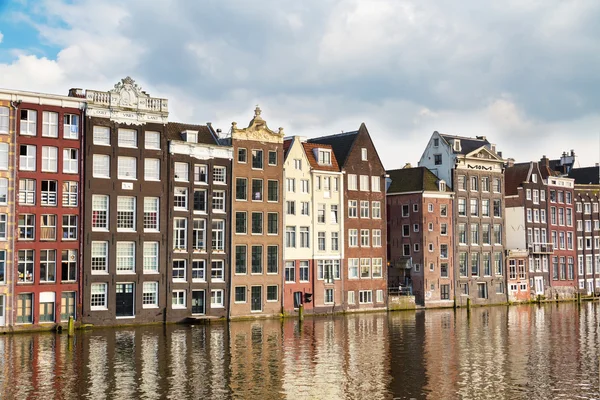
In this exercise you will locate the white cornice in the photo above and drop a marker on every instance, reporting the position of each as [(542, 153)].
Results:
[(200, 151), (42, 99)]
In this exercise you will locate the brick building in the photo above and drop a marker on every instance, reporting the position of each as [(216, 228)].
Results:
[(474, 170), (257, 209), (420, 240), (364, 278)]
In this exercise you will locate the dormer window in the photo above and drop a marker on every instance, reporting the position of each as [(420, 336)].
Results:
[(442, 186), (363, 153), (456, 145), (325, 157), (190, 136)]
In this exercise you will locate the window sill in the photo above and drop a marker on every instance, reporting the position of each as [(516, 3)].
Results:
[(99, 309), (201, 281), (179, 308), (151, 273), (100, 177), (217, 306), (147, 307), (126, 317)]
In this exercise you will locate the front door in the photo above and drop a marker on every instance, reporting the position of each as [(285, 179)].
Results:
[(256, 299), (539, 285), (2, 311), (198, 302), (124, 298)]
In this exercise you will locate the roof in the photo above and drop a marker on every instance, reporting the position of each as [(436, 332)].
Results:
[(585, 176), (205, 136), (514, 176), (467, 144), (412, 180), (341, 144), (308, 149), (287, 143)]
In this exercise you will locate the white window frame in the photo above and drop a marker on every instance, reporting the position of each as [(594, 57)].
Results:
[(49, 159), (152, 169), (101, 135), (70, 161), (150, 295), (151, 257), (152, 140), (96, 207), (101, 166), (71, 126), (127, 168), (126, 212), (29, 124), (99, 296), (127, 138), (125, 260)]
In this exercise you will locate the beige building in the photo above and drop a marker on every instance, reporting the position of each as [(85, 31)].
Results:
[(7, 208)]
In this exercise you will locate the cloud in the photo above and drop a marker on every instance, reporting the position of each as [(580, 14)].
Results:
[(1, 37), (522, 73)]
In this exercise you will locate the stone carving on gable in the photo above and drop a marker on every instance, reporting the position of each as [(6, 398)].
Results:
[(127, 103), (257, 130)]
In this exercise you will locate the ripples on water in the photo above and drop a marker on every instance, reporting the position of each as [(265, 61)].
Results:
[(523, 352)]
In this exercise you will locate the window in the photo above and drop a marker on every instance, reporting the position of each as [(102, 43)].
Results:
[(178, 299), (462, 207), (437, 159), (69, 227), (364, 183), (497, 208), (150, 295), (99, 257), (272, 223), (353, 237), (328, 297), (98, 296), (405, 230), (199, 200), (101, 166), (125, 213), (218, 200), (257, 189), (498, 234), (497, 185), (47, 265), (352, 182), (290, 236), (26, 223), (49, 124), (3, 231), (363, 154), (290, 207), (352, 208), (297, 164), (125, 257), (179, 270), (179, 233), (180, 199), (257, 267), (240, 259), (333, 213), (375, 184), (474, 234), (49, 159), (321, 213), (242, 155), (127, 138), (241, 222), (290, 185), (216, 298), (25, 266), (68, 266), (151, 207), (364, 209), (69, 193), (377, 267), (99, 212), (182, 173), (474, 207), (241, 185), (257, 159), (217, 270), (240, 294), (4, 119), (324, 157), (150, 264), (335, 241), (304, 185), (49, 193), (28, 122), (304, 237), (127, 168), (321, 241), (152, 169), (272, 293), (219, 175), (218, 235), (199, 270), (365, 268), (200, 173), (272, 157), (4, 156), (290, 271), (27, 158), (71, 126), (365, 296), (257, 223)]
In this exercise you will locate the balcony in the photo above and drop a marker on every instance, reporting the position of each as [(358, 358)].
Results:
[(541, 248)]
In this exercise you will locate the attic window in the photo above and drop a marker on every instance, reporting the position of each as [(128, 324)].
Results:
[(456, 145), (534, 178), (436, 142), (363, 153), (442, 186), (190, 136), (324, 157)]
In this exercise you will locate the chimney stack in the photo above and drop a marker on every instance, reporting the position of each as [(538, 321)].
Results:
[(76, 92), (510, 162)]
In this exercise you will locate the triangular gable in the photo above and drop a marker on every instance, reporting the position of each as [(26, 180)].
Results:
[(364, 131), (483, 153)]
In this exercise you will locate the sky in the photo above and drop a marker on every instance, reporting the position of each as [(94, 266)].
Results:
[(523, 73)]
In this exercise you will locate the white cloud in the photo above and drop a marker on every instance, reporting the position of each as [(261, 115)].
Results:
[(1, 37), (524, 73)]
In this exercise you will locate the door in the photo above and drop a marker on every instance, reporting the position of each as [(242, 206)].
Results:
[(256, 299), (198, 302), (539, 285), (124, 300), (2, 312)]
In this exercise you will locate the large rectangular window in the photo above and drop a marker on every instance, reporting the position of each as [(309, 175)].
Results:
[(180, 234), (26, 225), (150, 295), (27, 157), (217, 271), (99, 212), (151, 210), (241, 259), (218, 235), (272, 259), (27, 192), (199, 235), (25, 308), (199, 271), (47, 265), (241, 189), (98, 297), (69, 227), (150, 257), (99, 257), (127, 168), (101, 135), (101, 166), (127, 138), (125, 213), (70, 192), (68, 266), (71, 126), (272, 223), (70, 161), (25, 266), (257, 267), (49, 159), (48, 227), (152, 169), (28, 122), (50, 124), (125, 257)]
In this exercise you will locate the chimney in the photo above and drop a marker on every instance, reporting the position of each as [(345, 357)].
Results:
[(407, 165), (76, 92), (510, 162), (480, 137), (545, 161), (500, 155)]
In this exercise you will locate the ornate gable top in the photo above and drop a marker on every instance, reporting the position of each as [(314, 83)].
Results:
[(126, 102), (257, 130)]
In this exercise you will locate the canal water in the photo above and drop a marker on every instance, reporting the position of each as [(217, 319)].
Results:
[(520, 352)]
